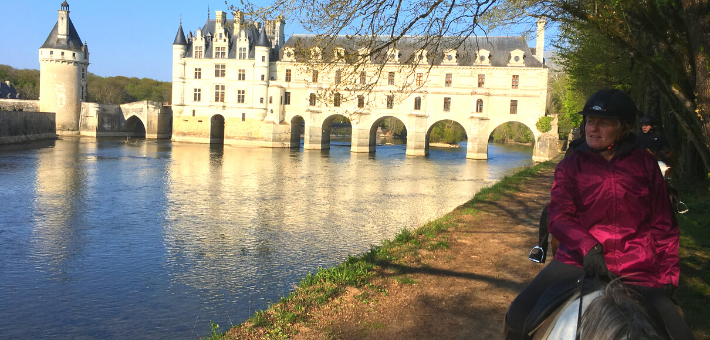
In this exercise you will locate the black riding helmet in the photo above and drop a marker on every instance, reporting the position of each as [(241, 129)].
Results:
[(610, 104)]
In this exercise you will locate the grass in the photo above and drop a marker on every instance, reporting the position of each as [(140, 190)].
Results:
[(693, 293), (316, 289)]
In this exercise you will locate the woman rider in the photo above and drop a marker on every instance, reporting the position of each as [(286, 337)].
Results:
[(610, 211)]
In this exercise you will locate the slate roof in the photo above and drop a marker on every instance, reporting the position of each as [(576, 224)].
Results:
[(500, 48), (180, 37), (263, 40), (7, 91), (72, 41)]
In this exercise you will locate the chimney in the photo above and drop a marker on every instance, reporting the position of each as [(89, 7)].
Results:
[(63, 24), (220, 17), (540, 39)]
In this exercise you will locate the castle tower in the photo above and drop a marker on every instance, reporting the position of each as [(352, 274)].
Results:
[(64, 62), (540, 39), (179, 48), (262, 49)]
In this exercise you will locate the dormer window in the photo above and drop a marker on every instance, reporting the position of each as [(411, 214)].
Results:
[(242, 53), (198, 51), (517, 58), (483, 57), (289, 54), (450, 57), (339, 53), (315, 53), (393, 55), (220, 52), (421, 57)]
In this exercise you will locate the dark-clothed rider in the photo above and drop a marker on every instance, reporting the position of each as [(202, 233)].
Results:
[(610, 211), (653, 140)]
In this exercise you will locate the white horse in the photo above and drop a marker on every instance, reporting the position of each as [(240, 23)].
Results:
[(610, 313)]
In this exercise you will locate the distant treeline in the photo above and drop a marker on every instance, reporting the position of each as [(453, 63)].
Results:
[(104, 90)]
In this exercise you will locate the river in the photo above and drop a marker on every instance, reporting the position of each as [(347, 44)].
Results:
[(146, 239)]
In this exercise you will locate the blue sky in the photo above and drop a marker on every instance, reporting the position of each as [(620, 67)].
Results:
[(126, 38)]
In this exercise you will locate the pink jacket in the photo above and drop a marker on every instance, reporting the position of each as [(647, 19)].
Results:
[(622, 204)]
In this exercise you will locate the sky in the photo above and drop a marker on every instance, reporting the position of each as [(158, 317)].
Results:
[(129, 38)]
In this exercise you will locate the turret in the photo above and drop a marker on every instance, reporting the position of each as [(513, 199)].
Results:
[(179, 49), (64, 62), (262, 49)]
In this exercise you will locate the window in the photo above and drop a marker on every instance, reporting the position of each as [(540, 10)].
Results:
[(390, 101), (263, 58), (240, 96), (390, 78), (420, 79), (242, 74), (220, 52), (312, 99), (479, 105), (516, 79), (447, 104), (242, 53), (244, 116), (363, 77), (193, 113), (447, 82), (314, 77), (219, 93), (287, 98), (198, 73), (513, 107), (261, 100), (271, 99), (62, 54), (220, 70), (360, 101), (288, 75), (481, 80), (336, 100), (198, 51), (337, 76), (83, 73), (51, 53), (197, 95), (262, 77), (418, 103)]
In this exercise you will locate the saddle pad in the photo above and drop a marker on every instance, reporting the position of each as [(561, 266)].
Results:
[(566, 326), (556, 295)]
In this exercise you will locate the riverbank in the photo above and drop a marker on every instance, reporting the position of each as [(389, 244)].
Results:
[(454, 277)]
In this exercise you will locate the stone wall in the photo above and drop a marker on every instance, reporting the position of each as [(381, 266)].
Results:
[(23, 126), (120, 120), (19, 105)]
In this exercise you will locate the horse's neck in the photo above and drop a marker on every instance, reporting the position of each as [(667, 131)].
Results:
[(565, 327)]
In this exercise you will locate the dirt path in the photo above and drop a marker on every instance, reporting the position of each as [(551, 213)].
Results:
[(457, 293)]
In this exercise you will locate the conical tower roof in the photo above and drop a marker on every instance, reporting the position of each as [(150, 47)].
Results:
[(263, 40), (180, 37)]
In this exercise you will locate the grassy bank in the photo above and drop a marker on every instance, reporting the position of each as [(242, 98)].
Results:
[(364, 273)]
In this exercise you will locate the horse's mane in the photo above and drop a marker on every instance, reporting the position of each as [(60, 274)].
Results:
[(617, 315)]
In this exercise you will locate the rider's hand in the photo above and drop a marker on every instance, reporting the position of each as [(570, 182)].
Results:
[(593, 263)]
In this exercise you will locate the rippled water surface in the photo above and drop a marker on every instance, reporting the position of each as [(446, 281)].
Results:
[(148, 239)]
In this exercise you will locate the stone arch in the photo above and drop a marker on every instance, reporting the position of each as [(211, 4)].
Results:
[(298, 127), (431, 126), (217, 129), (134, 127), (498, 124), (375, 125), (326, 128)]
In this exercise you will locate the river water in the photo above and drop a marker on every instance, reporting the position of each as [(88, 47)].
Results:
[(146, 239)]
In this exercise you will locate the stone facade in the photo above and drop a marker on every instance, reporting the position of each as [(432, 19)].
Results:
[(249, 86)]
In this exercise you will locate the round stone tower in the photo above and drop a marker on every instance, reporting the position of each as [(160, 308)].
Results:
[(262, 49), (179, 49), (63, 61)]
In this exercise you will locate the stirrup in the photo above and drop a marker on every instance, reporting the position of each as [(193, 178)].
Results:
[(537, 255), (679, 209)]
